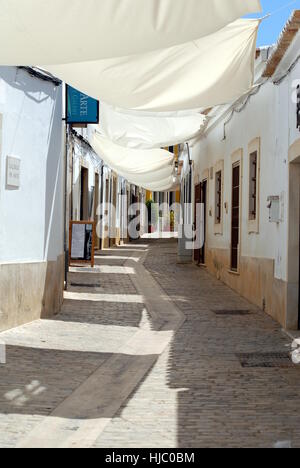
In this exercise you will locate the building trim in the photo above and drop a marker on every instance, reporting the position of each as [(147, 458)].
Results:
[(286, 38)]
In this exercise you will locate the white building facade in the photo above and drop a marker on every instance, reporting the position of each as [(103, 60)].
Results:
[(96, 192), (31, 196), (247, 173)]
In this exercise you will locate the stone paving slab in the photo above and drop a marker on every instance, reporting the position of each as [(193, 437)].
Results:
[(47, 360), (93, 316), (197, 394), (159, 370)]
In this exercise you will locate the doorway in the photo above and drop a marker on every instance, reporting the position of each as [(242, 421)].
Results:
[(299, 282), (291, 319), (113, 198), (197, 202), (204, 202), (201, 198), (96, 208), (235, 217), (84, 195), (134, 199)]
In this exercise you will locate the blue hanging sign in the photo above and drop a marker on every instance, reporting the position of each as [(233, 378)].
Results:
[(80, 108)]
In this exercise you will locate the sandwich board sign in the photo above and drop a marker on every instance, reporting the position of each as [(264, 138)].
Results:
[(82, 243)]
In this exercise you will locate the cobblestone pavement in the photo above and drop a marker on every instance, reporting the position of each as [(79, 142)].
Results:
[(198, 394), (112, 370)]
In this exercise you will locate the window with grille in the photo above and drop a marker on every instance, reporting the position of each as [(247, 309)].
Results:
[(253, 186), (218, 207)]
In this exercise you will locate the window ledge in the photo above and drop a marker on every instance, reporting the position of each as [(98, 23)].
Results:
[(218, 229), (253, 226), (234, 273)]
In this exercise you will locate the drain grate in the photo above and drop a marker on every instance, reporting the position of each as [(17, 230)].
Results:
[(83, 285), (265, 360), (232, 313)]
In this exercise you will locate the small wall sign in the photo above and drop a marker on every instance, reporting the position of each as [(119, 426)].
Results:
[(13, 172)]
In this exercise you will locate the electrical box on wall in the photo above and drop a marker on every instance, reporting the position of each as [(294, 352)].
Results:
[(274, 206)]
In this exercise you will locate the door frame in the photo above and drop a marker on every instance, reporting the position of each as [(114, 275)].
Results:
[(96, 207), (237, 160), (84, 193), (197, 195), (201, 260), (203, 249)]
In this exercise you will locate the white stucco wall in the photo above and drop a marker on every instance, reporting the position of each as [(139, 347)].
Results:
[(31, 227), (84, 157), (271, 116)]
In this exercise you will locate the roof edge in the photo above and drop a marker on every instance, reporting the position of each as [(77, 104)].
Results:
[(286, 38)]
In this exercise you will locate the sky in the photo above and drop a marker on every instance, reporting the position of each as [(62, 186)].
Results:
[(272, 27)]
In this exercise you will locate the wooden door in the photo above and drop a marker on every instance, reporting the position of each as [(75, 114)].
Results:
[(197, 252), (204, 202), (84, 198), (201, 197), (235, 222)]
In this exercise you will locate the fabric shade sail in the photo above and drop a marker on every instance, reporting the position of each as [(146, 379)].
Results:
[(169, 184), (150, 169), (63, 31), (213, 70), (147, 131), (145, 56)]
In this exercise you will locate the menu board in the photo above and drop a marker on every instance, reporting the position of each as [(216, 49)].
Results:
[(82, 242)]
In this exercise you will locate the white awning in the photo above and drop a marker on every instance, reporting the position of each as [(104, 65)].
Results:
[(150, 169), (154, 130), (36, 32), (213, 70), (140, 55)]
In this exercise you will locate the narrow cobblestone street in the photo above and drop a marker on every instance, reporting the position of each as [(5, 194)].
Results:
[(149, 353)]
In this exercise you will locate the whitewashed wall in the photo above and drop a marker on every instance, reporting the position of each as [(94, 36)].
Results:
[(271, 116), (83, 157), (31, 227)]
